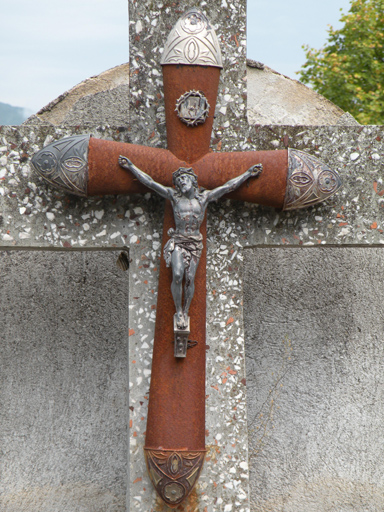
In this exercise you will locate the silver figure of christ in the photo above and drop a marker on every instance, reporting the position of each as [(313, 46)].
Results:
[(183, 250)]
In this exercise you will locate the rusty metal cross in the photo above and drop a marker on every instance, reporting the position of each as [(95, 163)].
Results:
[(175, 434)]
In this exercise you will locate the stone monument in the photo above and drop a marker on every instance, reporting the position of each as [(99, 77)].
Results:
[(174, 448), (281, 474)]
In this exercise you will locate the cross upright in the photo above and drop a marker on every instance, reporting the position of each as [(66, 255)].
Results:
[(191, 62)]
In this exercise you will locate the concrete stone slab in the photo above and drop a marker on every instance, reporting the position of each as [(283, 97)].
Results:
[(315, 382), (63, 381), (277, 99), (101, 99), (34, 214)]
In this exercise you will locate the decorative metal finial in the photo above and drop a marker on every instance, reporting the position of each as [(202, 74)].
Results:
[(64, 164), (192, 41), (309, 181)]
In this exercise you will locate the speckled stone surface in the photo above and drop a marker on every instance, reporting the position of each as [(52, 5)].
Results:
[(34, 215)]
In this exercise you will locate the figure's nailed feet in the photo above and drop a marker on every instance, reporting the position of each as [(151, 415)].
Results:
[(181, 320), (255, 170), (125, 162)]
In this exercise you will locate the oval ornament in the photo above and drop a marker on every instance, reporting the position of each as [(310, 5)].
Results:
[(301, 179), (191, 51), (74, 164), (174, 464)]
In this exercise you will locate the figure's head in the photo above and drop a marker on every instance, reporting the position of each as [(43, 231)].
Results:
[(183, 177)]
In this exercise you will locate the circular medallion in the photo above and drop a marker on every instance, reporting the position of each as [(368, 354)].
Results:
[(194, 22), (47, 162), (192, 108), (327, 181), (174, 492)]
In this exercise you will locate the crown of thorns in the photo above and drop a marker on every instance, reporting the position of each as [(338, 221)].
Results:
[(181, 171)]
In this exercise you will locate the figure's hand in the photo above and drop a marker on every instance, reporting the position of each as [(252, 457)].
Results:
[(125, 162), (255, 170)]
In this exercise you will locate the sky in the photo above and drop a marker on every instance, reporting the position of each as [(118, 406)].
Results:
[(48, 46)]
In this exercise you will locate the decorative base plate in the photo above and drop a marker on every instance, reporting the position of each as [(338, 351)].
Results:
[(181, 338), (174, 473)]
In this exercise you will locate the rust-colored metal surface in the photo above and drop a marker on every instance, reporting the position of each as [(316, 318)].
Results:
[(105, 176), (189, 143), (213, 170), (176, 411), (269, 189)]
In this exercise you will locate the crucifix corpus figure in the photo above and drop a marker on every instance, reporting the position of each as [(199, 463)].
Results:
[(183, 250)]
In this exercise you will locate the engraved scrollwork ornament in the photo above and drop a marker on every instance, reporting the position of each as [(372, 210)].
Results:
[(309, 181), (174, 473), (64, 164), (192, 41)]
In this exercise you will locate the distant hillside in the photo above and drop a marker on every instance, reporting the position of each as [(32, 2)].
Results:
[(13, 115)]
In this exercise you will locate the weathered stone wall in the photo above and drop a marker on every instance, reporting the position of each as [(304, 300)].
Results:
[(272, 99), (101, 99), (277, 99), (314, 329), (63, 381)]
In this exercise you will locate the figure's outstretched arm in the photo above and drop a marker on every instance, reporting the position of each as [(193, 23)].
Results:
[(233, 184), (145, 179)]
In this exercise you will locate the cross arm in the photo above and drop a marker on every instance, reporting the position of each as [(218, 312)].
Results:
[(215, 169), (107, 177), (290, 179), (88, 166)]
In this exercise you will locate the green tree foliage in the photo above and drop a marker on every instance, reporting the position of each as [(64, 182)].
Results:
[(349, 70)]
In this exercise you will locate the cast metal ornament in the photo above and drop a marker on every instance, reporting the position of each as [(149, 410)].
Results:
[(174, 473), (192, 108), (64, 164), (309, 181), (192, 41)]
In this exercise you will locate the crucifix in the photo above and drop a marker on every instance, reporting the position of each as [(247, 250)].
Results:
[(285, 179)]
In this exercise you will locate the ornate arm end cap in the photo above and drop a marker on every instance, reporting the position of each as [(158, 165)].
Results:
[(192, 41), (309, 181), (64, 164)]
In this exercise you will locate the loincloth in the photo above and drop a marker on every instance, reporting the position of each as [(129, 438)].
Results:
[(191, 246)]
